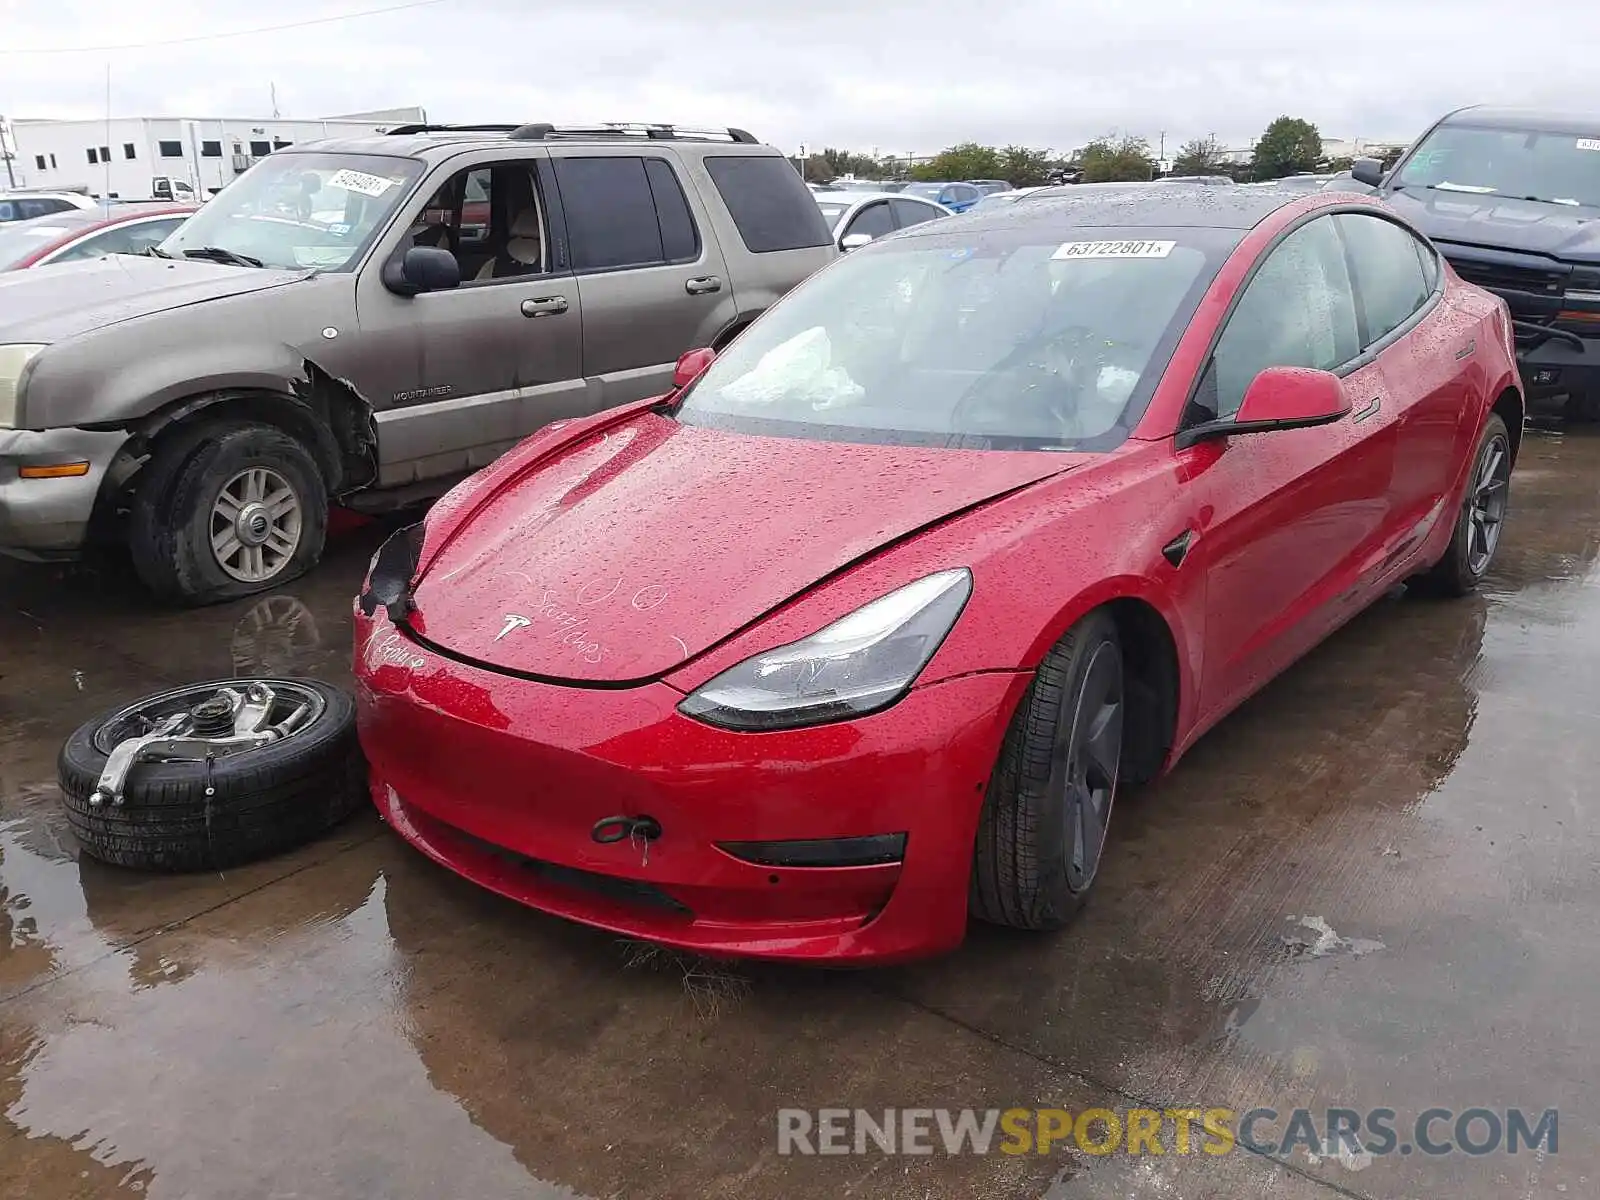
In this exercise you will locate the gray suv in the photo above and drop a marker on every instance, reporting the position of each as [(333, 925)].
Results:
[(365, 322)]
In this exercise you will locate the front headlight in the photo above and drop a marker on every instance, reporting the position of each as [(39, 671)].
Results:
[(13, 361), (860, 664)]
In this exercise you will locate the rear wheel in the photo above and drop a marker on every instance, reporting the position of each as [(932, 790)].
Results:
[(1049, 801), (1480, 519), (226, 512)]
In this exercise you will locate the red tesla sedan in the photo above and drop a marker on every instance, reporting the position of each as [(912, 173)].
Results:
[(88, 233), (859, 630)]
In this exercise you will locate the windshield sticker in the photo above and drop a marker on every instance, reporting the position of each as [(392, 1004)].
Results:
[(360, 182), (1114, 250), (1589, 143)]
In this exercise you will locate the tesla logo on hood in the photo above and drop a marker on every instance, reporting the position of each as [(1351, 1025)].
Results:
[(513, 622)]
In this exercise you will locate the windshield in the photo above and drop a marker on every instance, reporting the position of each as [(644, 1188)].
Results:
[(301, 210), (1560, 168), (998, 340), (832, 212), (23, 239)]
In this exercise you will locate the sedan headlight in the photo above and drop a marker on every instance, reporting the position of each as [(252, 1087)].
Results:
[(860, 664), (13, 361)]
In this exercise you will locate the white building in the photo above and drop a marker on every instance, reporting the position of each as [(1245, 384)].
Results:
[(122, 158)]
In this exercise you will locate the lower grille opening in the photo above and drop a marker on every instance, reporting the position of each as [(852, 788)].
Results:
[(610, 887), (878, 850)]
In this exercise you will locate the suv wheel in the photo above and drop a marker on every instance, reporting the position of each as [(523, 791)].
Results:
[(227, 512)]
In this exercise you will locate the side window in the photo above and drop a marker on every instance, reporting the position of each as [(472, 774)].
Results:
[(908, 212), (680, 240), (1429, 258), (133, 238), (1298, 311), (769, 203), (491, 218), (611, 213), (1389, 282), (873, 220), (41, 208)]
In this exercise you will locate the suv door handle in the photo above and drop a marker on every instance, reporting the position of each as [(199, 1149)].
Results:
[(544, 306), (703, 286)]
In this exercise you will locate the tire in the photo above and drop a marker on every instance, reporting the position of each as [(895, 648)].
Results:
[(1464, 564), (264, 802), (1023, 867), (176, 506)]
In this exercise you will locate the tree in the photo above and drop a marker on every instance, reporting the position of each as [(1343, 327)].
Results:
[(1289, 145), (847, 162), (1339, 164), (965, 161), (1203, 156), (1022, 167), (1116, 157)]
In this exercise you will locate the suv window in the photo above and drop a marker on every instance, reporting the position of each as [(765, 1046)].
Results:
[(680, 240), (491, 219), (41, 208), (611, 213), (1389, 282), (1298, 311), (770, 204)]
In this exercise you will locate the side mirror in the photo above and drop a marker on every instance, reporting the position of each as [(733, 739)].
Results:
[(422, 269), (854, 241), (1368, 171), (1279, 398), (691, 365)]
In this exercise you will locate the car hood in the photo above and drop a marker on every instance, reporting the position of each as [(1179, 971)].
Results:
[(636, 549), (1503, 223), (57, 302)]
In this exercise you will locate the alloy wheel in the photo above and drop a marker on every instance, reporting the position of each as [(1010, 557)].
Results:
[(256, 524), (1486, 504), (1087, 755)]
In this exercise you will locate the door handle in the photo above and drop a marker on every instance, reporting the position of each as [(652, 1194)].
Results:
[(1371, 409), (703, 286), (544, 306)]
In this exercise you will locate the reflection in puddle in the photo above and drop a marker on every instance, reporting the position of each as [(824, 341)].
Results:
[(277, 635), (273, 1064)]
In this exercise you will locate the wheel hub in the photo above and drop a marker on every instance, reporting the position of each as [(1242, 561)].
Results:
[(253, 524), (256, 525)]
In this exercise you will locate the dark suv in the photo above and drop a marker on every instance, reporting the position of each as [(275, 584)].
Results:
[(1512, 198), (367, 321)]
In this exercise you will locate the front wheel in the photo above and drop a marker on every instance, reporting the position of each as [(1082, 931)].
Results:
[(1049, 801), (227, 511), (1480, 519)]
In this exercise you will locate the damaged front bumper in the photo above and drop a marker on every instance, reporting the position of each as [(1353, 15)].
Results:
[(49, 483)]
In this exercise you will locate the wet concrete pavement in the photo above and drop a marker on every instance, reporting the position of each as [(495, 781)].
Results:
[(1376, 885)]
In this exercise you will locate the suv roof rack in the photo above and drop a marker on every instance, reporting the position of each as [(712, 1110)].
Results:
[(401, 130), (544, 132)]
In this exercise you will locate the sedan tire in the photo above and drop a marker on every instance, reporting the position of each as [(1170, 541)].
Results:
[(1479, 520), (199, 816), (1044, 818)]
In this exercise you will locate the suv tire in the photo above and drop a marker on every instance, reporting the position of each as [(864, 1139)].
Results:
[(224, 511)]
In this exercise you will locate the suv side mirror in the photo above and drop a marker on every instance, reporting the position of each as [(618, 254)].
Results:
[(1368, 171), (1279, 398), (691, 365), (854, 241), (422, 269)]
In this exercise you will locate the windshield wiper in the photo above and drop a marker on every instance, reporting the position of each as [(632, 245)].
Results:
[(156, 252), (218, 255)]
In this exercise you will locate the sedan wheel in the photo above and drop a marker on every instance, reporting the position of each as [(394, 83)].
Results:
[(1043, 826), (1480, 520)]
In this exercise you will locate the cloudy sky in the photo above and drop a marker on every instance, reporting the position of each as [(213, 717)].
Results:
[(895, 75)]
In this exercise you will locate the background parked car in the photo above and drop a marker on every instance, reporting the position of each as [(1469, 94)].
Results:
[(88, 233), (24, 206), (957, 197), (990, 186), (996, 200), (260, 397), (857, 218)]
